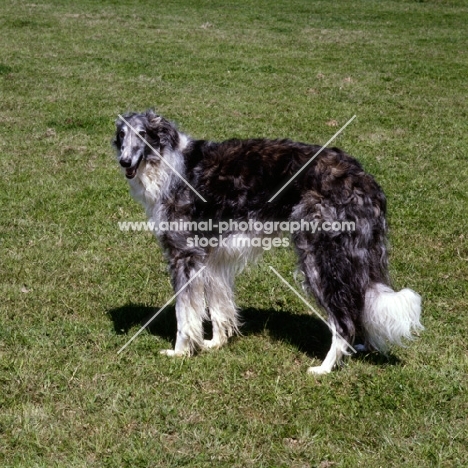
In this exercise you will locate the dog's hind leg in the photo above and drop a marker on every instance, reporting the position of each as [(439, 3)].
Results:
[(335, 281), (338, 349)]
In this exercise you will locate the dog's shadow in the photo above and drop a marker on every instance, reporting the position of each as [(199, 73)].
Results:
[(305, 332)]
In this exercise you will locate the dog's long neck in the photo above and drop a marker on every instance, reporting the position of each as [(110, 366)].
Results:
[(154, 178)]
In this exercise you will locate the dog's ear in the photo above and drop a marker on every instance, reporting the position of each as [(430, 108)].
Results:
[(153, 118), (153, 122), (161, 130)]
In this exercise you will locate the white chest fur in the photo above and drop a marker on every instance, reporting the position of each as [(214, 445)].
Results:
[(152, 179), (147, 185)]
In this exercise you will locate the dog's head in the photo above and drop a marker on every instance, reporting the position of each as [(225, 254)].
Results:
[(142, 138)]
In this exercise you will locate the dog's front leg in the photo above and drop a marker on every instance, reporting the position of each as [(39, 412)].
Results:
[(190, 313), (189, 328)]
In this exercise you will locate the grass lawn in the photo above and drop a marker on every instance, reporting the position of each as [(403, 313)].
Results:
[(74, 288)]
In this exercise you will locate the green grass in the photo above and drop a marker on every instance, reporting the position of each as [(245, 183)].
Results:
[(74, 288)]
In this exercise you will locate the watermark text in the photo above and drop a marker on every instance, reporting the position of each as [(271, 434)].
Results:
[(234, 226)]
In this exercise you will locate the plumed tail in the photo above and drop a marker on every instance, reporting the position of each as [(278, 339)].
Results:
[(390, 317)]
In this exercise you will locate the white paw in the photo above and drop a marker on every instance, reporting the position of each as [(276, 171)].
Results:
[(172, 353), (318, 370), (360, 348), (212, 344)]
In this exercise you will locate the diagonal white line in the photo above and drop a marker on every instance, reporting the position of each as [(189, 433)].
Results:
[(309, 306), (312, 158), (160, 310), (162, 159)]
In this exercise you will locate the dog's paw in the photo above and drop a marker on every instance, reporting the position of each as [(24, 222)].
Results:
[(318, 370), (360, 348), (172, 353), (212, 344)]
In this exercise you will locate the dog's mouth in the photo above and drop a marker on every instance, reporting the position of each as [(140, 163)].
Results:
[(130, 172)]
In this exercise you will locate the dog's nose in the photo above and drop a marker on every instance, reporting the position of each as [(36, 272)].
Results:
[(125, 162)]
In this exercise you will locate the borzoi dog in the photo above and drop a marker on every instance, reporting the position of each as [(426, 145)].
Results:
[(179, 179)]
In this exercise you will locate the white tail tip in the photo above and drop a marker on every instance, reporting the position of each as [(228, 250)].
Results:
[(390, 317)]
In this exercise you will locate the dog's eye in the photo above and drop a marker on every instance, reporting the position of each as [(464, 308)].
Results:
[(142, 133), (121, 134)]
